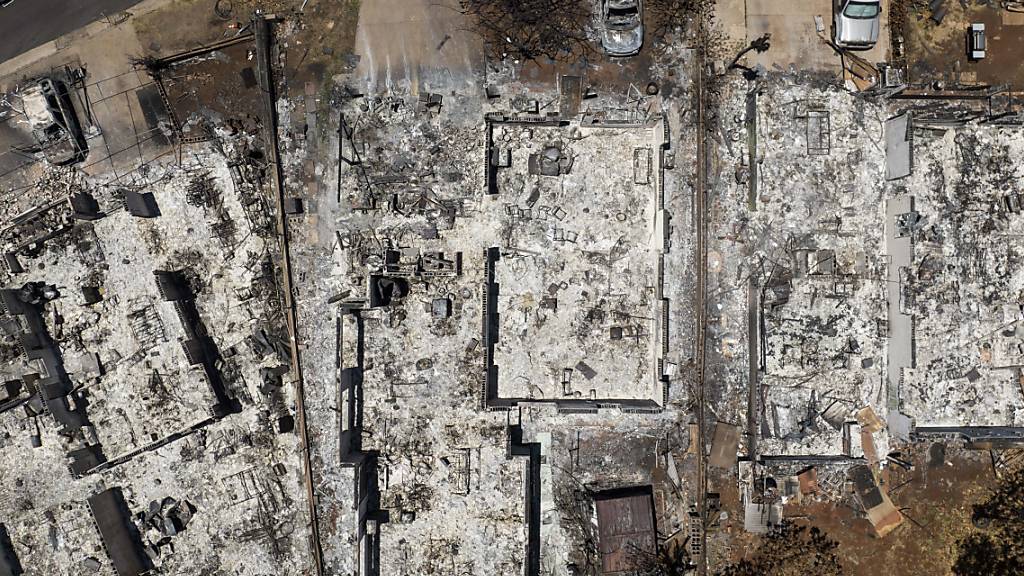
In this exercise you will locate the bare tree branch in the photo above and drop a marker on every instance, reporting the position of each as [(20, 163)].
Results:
[(532, 29)]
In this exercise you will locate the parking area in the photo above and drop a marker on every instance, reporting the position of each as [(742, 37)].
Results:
[(795, 40), (127, 111)]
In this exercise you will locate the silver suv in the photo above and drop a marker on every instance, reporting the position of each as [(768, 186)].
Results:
[(856, 23)]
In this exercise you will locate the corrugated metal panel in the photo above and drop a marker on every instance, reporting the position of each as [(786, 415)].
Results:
[(626, 530)]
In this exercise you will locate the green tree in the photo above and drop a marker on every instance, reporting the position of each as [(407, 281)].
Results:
[(996, 547), (790, 550)]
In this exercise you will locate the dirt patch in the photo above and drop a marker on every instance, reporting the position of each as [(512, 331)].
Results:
[(726, 535), (656, 62), (319, 46), (183, 25), (322, 45), (598, 70), (938, 52), (936, 499), (216, 88)]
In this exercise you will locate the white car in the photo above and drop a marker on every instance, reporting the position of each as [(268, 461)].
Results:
[(856, 23), (623, 28)]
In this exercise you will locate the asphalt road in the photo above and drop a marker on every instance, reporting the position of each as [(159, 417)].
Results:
[(26, 24)]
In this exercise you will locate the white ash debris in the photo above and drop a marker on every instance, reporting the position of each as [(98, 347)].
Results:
[(965, 286), (146, 402), (804, 253)]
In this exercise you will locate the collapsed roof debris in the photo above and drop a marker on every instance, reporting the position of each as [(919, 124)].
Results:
[(864, 288), (142, 315), (625, 523), (291, 295)]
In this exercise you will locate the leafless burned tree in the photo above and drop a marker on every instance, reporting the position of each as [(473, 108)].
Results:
[(670, 559), (151, 64), (667, 16), (996, 547), (532, 29), (575, 503)]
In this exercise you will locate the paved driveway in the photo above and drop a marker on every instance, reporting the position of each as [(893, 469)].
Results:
[(795, 40), (418, 44)]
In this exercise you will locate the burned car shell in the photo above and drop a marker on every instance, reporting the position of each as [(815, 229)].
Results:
[(54, 123), (622, 33)]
